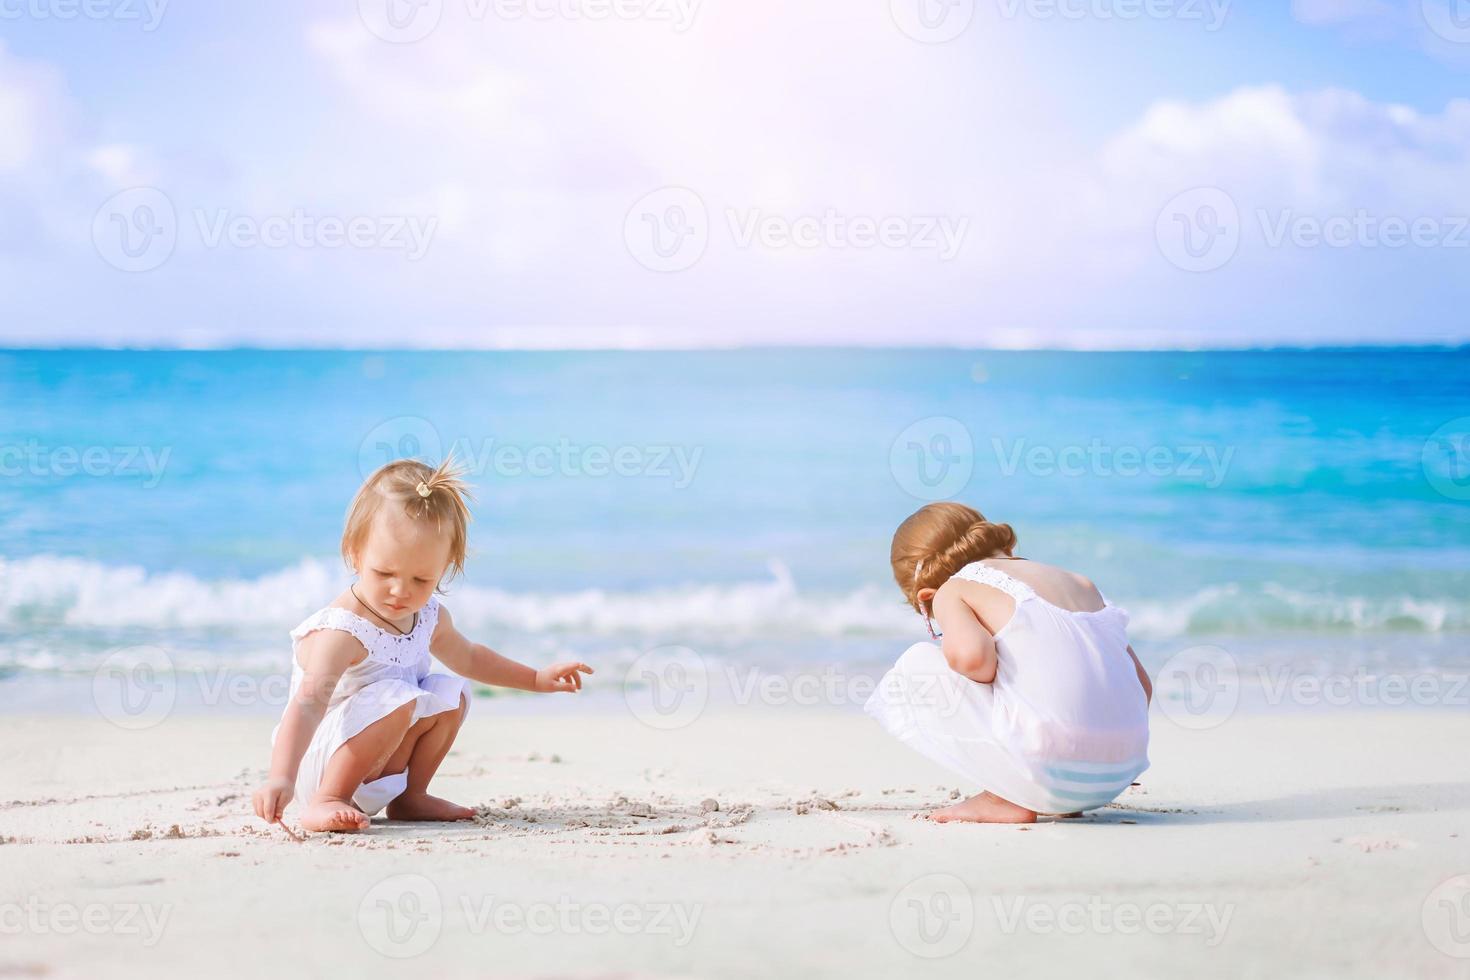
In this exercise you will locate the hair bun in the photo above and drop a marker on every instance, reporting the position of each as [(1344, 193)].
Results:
[(938, 540), (991, 539)]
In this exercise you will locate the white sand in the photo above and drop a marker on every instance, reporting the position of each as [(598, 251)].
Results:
[(1270, 846)]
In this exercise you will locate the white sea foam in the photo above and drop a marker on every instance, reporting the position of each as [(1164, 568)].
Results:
[(48, 593), (53, 591)]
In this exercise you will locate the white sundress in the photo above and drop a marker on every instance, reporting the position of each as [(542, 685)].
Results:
[(395, 672), (1064, 726)]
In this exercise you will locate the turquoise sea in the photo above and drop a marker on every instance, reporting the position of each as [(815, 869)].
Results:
[(1308, 508)]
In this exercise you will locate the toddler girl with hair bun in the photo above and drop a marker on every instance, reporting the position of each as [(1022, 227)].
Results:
[(1032, 691), (367, 724)]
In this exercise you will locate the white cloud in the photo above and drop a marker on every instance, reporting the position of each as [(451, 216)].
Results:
[(1280, 156), (1328, 149), (528, 142)]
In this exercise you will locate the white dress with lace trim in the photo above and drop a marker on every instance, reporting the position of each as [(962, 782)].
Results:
[(1064, 726), (395, 671)]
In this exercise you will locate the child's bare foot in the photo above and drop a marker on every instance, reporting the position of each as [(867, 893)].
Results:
[(422, 806), (985, 808), (337, 816)]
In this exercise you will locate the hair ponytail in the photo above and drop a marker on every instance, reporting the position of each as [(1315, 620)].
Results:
[(439, 494)]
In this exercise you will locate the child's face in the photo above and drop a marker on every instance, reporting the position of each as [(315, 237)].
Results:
[(401, 562)]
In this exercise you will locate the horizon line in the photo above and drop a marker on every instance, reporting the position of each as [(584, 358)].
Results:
[(733, 348)]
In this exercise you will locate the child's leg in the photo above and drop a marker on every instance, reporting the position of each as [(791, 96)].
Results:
[(421, 752), (985, 808), (355, 762)]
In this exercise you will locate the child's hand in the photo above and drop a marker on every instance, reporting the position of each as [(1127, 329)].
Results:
[(561, 677), (271, 799)]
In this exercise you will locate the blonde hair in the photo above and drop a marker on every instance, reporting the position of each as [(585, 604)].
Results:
[(938, 540), (440, 494)]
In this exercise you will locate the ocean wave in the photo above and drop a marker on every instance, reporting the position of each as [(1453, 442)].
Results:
[(1269, 607), (46, 593)]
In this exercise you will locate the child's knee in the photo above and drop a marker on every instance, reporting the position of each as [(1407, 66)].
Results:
[(456, 716), (400, 717), (453, 716)]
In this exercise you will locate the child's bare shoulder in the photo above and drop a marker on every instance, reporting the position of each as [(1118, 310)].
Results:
[(329, 649)]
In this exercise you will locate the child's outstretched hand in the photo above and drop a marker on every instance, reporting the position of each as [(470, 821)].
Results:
[(561, 677), (271, 798)]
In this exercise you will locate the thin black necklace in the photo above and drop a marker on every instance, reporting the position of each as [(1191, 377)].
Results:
[(353, 589)]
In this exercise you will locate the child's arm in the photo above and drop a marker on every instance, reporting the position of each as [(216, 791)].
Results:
[(967, 645), (480, 663), (1148, 688), (325, 654)]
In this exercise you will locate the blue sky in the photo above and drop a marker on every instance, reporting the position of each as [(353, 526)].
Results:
[(1081, 173)]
